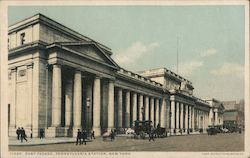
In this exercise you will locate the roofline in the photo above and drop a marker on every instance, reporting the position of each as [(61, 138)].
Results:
[(173, 74), (40, 18)]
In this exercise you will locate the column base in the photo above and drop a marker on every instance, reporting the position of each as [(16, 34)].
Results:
[(97, 131), (172, 132), (52, 132), (12, 131)]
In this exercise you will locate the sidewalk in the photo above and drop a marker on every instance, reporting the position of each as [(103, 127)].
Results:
[(36, 141)]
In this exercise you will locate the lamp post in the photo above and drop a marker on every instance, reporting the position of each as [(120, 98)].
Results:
[(142, 112), (188, 123), (88, 109), (170, 116)]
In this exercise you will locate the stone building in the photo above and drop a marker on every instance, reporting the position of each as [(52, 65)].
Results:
[(61, 81), (234, 114)]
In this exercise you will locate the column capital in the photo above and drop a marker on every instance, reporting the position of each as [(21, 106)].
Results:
[(56, 65), (30, 65)]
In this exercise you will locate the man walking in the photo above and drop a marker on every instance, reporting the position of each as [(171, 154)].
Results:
[(23, 135), (18, 133), (84, 136), (78, 137), (92, 134)]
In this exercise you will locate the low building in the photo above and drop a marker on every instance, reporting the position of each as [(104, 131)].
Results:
[(61, 81)]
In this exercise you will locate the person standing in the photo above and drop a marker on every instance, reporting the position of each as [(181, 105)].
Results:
[(41, 132), (18, 133), (84, 137), (151, 135), (112, 135), (78, 137), (31, 134)]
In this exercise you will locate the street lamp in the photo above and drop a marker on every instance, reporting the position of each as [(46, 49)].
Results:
[(142, 112), (170, 116), (88, 109), (188, 123)]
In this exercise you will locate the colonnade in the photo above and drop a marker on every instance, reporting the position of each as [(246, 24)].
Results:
[(138, 106), (182, 117), (185, 118)]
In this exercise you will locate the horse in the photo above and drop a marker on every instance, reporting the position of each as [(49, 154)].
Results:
[(110, 135)]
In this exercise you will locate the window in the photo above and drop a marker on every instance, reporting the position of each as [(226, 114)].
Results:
[(22, 38)]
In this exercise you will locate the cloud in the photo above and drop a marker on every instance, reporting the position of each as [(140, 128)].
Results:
[(229, 69), (134, 52), (187, 68), (209, 52)]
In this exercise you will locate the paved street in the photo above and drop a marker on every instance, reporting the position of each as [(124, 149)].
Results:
[(220, 142)]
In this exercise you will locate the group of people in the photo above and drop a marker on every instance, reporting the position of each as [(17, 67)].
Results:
[(82, 136), (21, 134)]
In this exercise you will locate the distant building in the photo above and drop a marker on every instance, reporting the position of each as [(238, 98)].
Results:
[(234, 114)]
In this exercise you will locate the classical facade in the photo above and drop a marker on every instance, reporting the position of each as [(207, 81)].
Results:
[(60, 81)]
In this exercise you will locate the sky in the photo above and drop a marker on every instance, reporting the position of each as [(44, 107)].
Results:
[(209, 40)]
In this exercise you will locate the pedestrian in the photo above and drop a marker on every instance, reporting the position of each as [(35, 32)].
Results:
[(93, 135), (18, 133), (31, 135), (78, 137), (41, 132), (84, 136), (112, 135), (23, 135), (151, 135)]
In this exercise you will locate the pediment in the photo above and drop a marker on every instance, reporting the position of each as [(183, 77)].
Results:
[(93, 52)]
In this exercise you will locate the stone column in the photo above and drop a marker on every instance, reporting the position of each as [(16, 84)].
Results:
[(77, 106), (163, 113), (97, 105), (177, 117), (172, 116), (192, 118), (216, 117), (210, 117), (186, 118), (111, 115), (119, 108), (181, 116), (13, 101), (140, 107), (152, 110), (127, 116), (56, 96), (134, 107), (146, 108), (198, 118), (157, 111), (68, 103), (30, 91)]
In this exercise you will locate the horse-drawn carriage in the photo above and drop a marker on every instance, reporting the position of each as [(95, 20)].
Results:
[(142, 128)]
